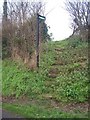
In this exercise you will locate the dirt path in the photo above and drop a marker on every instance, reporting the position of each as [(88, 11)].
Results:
[(7, 114), (50, 103)]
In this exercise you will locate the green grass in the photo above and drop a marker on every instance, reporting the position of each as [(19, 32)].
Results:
[(33, 111), (70, 85), (18, 81)]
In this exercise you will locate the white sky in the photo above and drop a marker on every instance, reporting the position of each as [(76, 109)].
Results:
[(58, 19)]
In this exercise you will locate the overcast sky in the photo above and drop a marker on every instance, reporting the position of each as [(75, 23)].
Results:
[(58, 19)]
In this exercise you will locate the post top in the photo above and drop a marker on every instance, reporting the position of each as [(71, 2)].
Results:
[(41, 17)]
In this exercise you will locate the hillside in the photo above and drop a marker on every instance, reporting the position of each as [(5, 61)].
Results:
[(61, 84)]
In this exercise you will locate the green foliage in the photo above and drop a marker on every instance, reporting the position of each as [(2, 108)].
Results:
[(35, 111), (76, 42), (72, 87), (71, 84), (45, 34), (5, 48), (18, 81)]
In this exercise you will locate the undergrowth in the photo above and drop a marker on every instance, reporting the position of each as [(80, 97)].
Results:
[(71, 84)]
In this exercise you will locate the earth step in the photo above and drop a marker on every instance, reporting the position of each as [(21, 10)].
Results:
[(52, 75), (58, 63), (81, 59), (48, 96), (59, 49), (58, 53), (53, 72), (57, 58)]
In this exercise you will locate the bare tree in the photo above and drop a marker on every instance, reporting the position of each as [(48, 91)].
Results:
[(21, 29), (79, 11)]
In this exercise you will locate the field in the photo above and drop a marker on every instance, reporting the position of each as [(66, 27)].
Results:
[(57, 89)]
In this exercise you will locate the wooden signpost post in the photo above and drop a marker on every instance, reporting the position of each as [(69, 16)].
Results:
[(42, 18)]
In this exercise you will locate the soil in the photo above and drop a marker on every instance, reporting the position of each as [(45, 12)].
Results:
[(49, 102)]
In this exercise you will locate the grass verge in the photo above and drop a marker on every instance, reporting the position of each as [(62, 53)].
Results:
[(33, 111)]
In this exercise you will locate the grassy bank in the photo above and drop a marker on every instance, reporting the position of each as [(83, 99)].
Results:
[(62, 77)]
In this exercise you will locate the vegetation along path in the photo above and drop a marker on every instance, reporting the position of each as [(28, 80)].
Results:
[(58, 89)]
